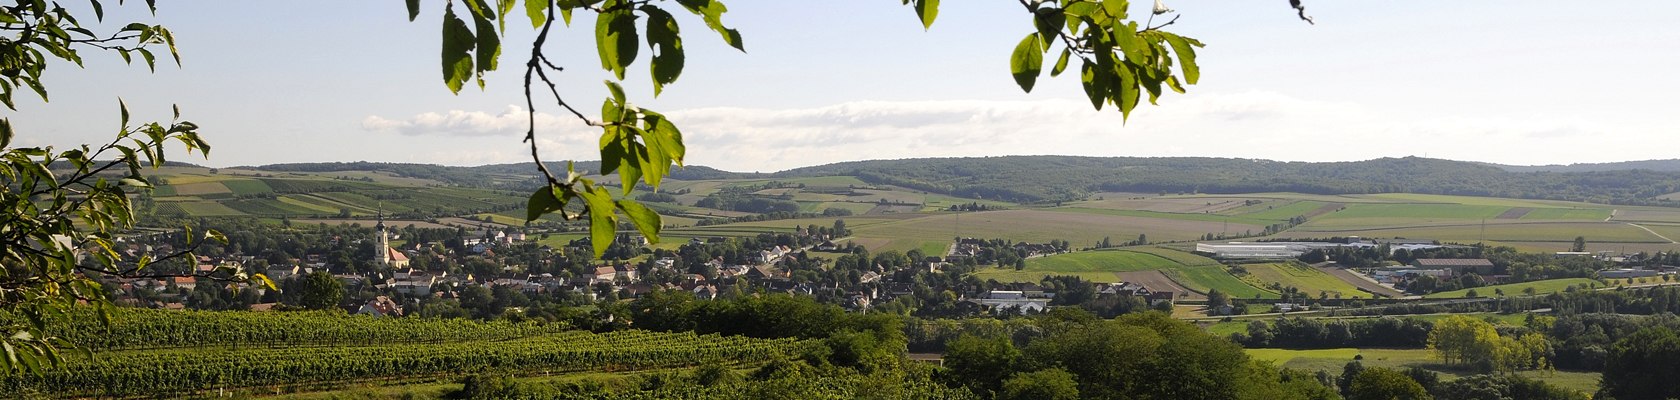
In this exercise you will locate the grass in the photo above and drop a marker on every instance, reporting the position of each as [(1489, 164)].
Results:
[(1332, 361), (246, 186), (1180, 257), (1205, 278), (1474, 231), (1101, 261), (1307, 279), (1431, 211), (1596, 214), (1036, 226), (1281, 213), (1516, 289), (1193, 272), (1168, 215)]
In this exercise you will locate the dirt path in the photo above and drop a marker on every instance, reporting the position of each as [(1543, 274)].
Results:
[(1653, 233), (1361, 282), (1156, 281)]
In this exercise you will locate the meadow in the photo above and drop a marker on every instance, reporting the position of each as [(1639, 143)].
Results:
[(1185, 271)]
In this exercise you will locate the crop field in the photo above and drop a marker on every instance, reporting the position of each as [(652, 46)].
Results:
[(1501, 231), (1240, 222), (1119, 201), (1279, 213), (1472, 200), (206, 209), (199, 188), (1181, 257), (1209, 277), (1305, 278), (1596, 214), (1037, 226), (1516, 289), (1199, 276), (246, 186), (1421, 211), (1647, 214)]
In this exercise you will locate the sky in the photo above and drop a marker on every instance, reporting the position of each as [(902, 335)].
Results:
[(1522, 82)]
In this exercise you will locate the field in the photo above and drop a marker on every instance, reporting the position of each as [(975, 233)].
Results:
[(1309, 280), (1516, 289), (266, 352), (1332, 360), (1154, 267)]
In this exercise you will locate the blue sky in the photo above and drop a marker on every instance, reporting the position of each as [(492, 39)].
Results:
[(1517, 82)]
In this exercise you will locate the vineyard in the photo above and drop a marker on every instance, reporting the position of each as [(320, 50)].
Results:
[(151, 352), (132, 329)]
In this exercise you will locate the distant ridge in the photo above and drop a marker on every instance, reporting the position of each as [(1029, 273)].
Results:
[(1670, 165), (1037, 179)]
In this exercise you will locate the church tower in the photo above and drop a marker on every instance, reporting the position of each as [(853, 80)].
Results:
[(384, 248)]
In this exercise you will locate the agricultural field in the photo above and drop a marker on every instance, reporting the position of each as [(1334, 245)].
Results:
[(1096, 266), (1037, 226), (1516, 289), (1172, 271), (1300, 276)]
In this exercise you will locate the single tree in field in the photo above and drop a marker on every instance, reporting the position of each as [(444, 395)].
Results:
[(1580, 244)]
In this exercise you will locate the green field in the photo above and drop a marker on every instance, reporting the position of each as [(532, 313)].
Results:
[(1596, 214), (1284, 212), (1308, 280), (1242, 220), (1096, 266), (1332, 361), (1191, 271), (1209, 277), (1432, 211), (1516, 289), (1101, 261)]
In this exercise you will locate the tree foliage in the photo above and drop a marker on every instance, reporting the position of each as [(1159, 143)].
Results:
[(64, 209), (1120, 60), (1645, 365)]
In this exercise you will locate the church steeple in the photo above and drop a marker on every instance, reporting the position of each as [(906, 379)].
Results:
[(383, 250)]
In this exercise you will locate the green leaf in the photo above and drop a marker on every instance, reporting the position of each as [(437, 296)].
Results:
[(537, 10), (5, 132), (413, 9), (545, 200), (1115, 8), (1026, 62), (1049, 22), (1096, 84), (488, 48), (646, 220), (1186, 50), (927, 10), (612, 153), (665, 40), (1061, 63), (457, 42), (615, 39), (712, 12), (617, 96), (603, 224)]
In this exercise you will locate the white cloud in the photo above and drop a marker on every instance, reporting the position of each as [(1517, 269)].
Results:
[(1247, 125)]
